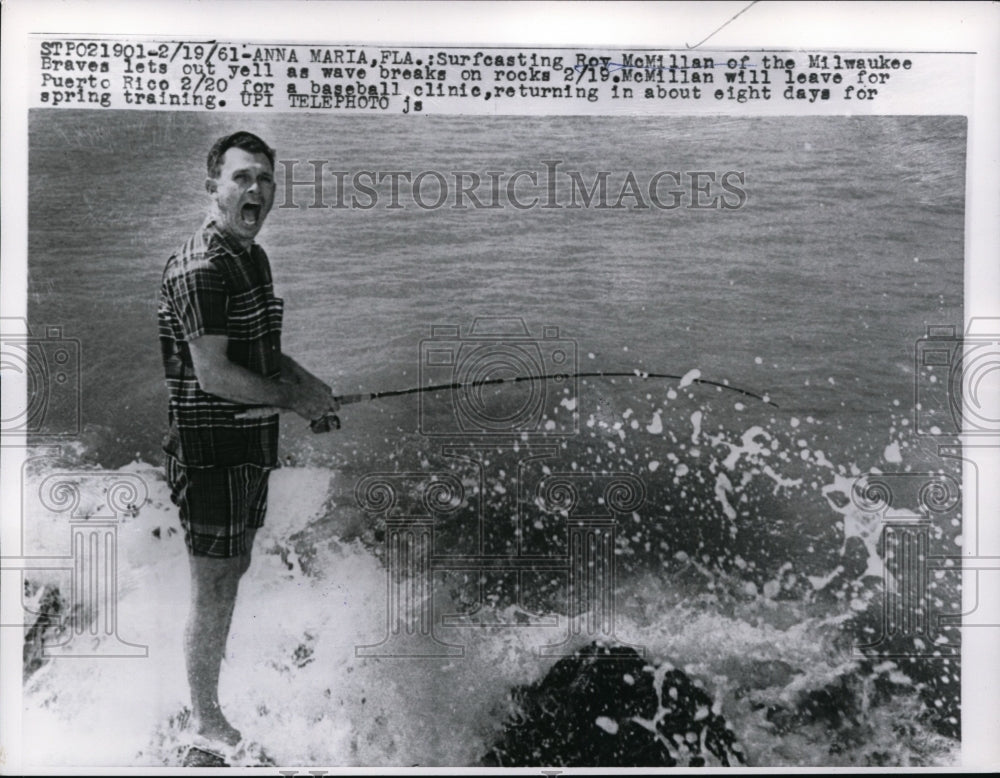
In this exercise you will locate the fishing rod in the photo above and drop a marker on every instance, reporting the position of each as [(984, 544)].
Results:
[(330, 421)]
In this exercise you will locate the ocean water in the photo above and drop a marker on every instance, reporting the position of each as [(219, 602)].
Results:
[(747, 547)]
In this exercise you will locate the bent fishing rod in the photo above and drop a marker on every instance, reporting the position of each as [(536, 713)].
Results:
[(330, 421)]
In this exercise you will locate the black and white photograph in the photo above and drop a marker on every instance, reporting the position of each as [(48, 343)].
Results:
[(501, 405)]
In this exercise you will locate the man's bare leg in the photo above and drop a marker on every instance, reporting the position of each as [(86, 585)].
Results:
[(214, 584)]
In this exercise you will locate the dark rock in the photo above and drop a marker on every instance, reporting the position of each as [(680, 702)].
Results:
[(47, 629), (835, 705), (583, 713), (841, 706), (198, 757)]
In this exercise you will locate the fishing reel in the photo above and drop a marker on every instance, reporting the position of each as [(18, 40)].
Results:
[(325, 423)]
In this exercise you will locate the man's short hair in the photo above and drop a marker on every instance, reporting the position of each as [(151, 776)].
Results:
[(238, 140)]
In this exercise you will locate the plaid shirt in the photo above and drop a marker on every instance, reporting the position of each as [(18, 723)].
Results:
[(213, 286)]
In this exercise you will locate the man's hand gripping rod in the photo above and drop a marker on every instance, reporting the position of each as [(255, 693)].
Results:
[(325, 423)]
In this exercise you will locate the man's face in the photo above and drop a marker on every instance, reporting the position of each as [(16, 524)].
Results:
[(243, 193)]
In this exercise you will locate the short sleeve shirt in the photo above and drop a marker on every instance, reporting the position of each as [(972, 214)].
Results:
[(215, 286)]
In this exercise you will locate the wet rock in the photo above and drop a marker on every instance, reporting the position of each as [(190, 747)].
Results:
[(198, 757), (844, 702), (605, 706), (47, 629)]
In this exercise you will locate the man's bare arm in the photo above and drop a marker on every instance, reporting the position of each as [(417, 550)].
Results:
[(293, 372), (219, 376)]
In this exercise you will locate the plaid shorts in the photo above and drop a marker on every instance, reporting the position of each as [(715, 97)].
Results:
[(218, 505)]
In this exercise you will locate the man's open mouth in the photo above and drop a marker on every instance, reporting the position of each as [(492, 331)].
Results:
[(250, 213)]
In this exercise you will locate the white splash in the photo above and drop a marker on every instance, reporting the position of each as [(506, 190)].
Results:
[(867, 527), (696, 424), (608, 725), (690, 377), (724, 486), (750, 446)]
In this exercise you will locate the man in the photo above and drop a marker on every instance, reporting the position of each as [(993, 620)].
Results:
[(220, 334)]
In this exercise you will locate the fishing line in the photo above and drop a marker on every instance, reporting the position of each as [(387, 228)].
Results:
[(330, 421)]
